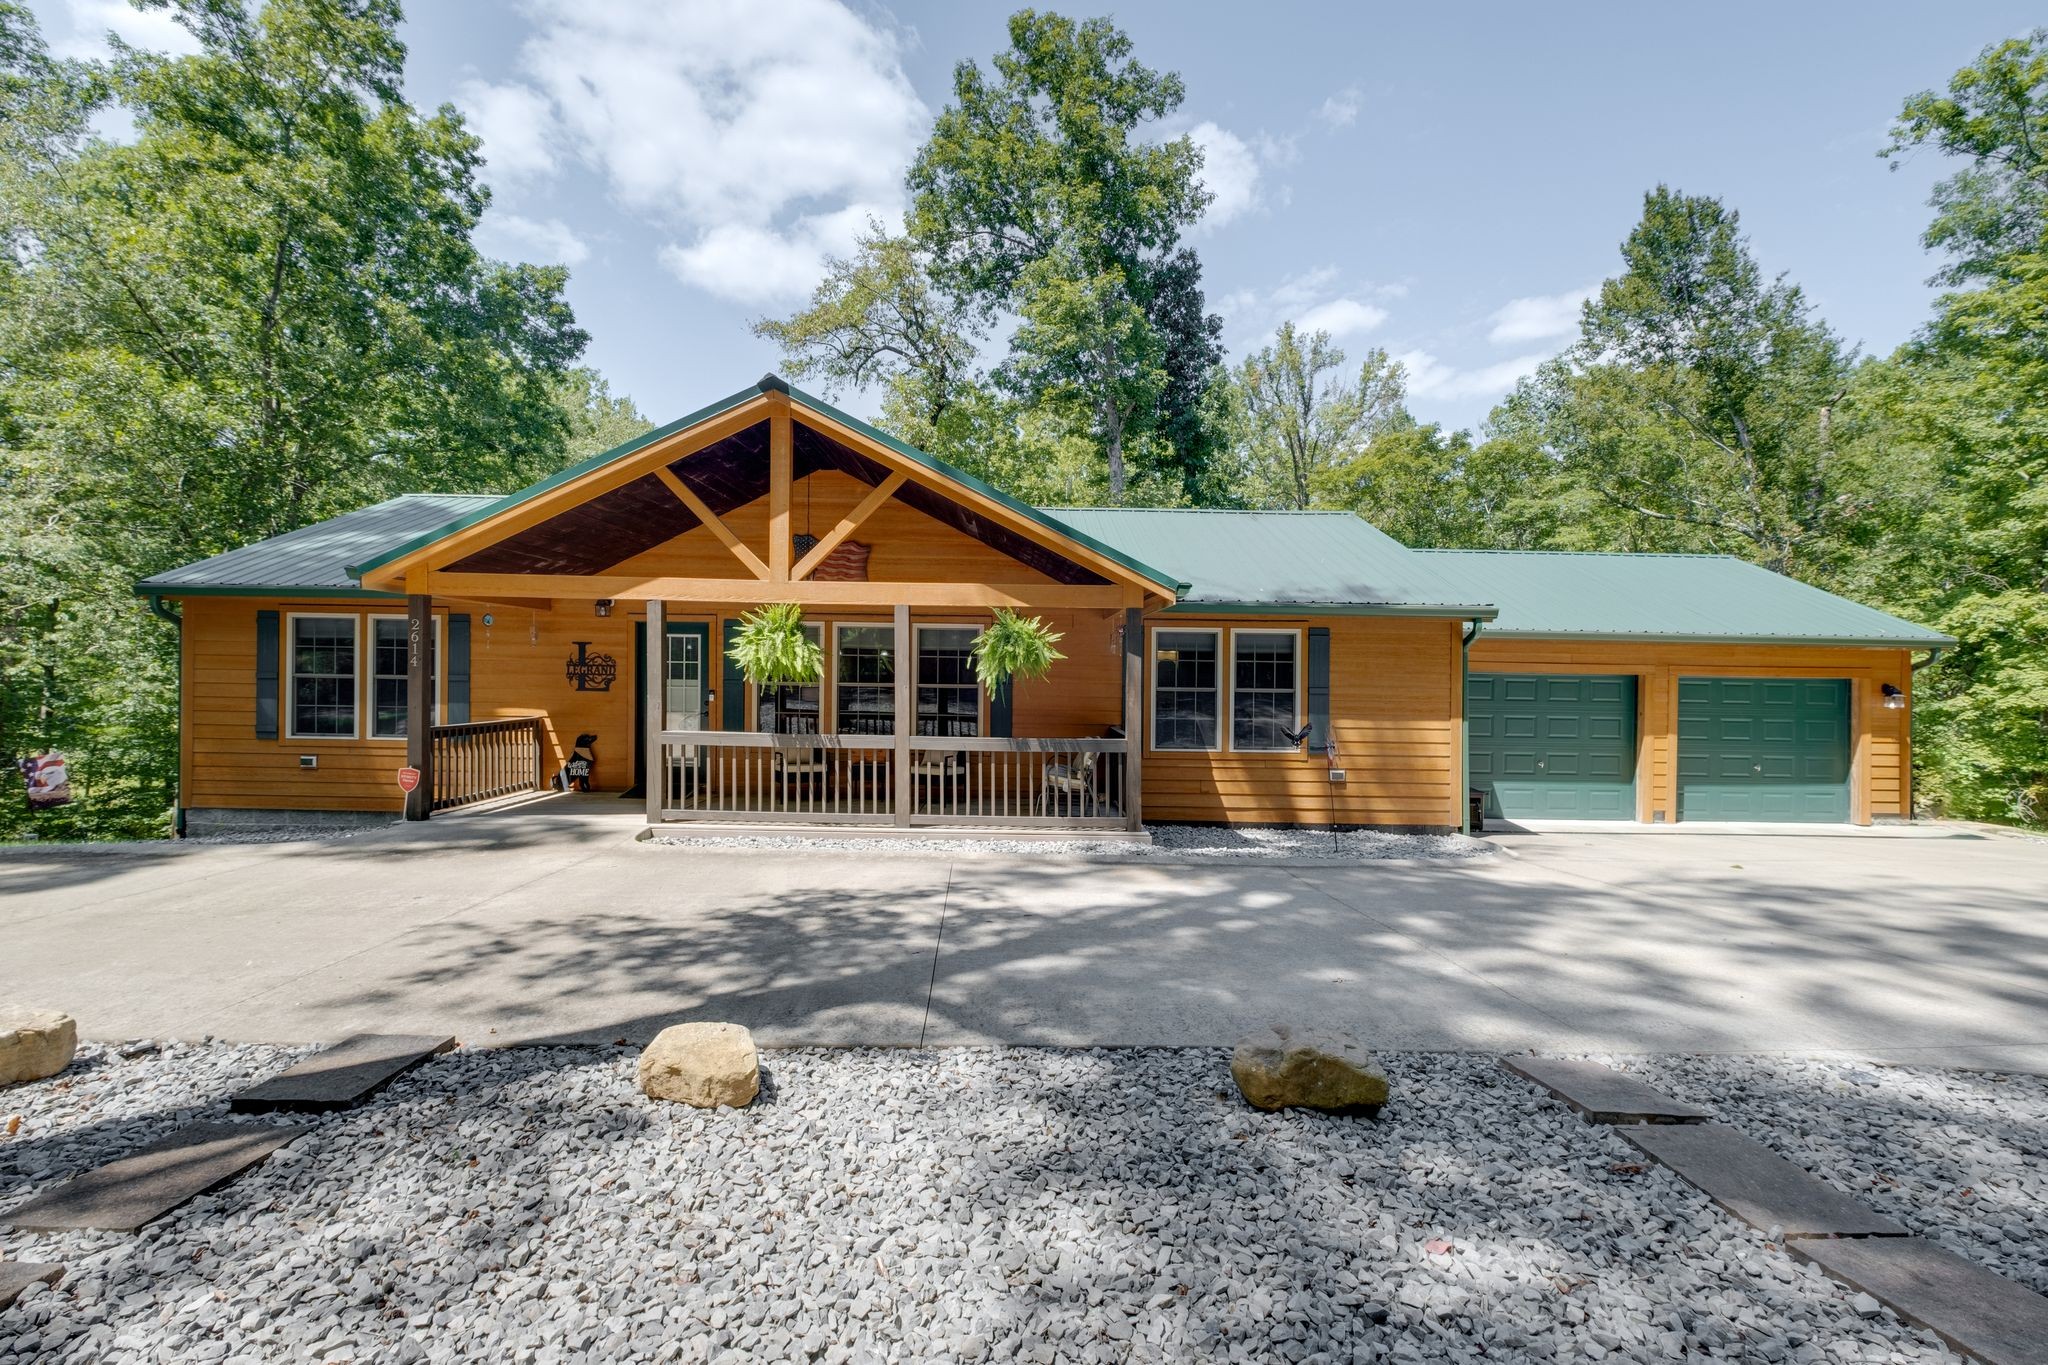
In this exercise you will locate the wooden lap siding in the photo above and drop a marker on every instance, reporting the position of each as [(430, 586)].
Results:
[(511, 674), (1880, 753), (1394, 708)]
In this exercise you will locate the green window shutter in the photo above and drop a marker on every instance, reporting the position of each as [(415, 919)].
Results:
[(999, 707), (1319, 686), (734, 684), (457, 686), (266, 674)]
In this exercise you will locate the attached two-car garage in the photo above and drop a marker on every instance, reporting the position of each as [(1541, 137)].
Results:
[(1564, 747)]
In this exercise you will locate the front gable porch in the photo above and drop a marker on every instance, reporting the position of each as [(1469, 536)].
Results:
[(772, 497)]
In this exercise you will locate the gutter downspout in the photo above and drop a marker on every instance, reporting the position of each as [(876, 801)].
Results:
[(164, 613), (1933, 653), (1465, 729)]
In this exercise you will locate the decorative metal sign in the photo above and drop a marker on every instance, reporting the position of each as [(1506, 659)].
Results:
[(591, 672)]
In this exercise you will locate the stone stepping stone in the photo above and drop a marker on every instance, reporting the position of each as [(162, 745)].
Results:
[(1979, 1313), (1601, 1093), (1756, 1184), (16, 1276), (348, 1073), (124, 1195)]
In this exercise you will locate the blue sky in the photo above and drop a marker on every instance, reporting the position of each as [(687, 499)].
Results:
[(1445, 182)]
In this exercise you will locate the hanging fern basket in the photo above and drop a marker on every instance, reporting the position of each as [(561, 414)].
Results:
[(771, 648), (1013, 646)]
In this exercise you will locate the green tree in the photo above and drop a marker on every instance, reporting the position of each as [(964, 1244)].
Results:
[(1968, 399), (878, 320), (1699, 404), (264, 310), (1040, 193), (1302, 417), (594, 418)]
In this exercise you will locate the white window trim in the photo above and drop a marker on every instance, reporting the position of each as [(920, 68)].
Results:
[(1152, 691), (1300, 685), (917, 631), (366, 671), (832, 665), (827, 638), (290, 673)]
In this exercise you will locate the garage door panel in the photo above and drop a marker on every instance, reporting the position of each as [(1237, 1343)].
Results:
[(1764, 749), (1553, 746)]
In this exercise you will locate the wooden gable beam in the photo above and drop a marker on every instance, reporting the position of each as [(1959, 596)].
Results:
[(742, 592), (848, 524), (602, 479), (781, 466), (712, 521), (1003, 516)]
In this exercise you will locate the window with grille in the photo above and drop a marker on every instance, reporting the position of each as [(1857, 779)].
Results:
[(323, 682), (1264, 696), (864, 670), (388, 676), (1186, 688), (948, 693)]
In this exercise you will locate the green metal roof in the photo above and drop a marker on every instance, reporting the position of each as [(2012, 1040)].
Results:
[(1700, 598), (312, 561), (1269, 561), (768, 384)]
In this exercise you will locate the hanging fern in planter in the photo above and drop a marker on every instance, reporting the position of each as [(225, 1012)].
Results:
[(1014, 647), (771, 648)]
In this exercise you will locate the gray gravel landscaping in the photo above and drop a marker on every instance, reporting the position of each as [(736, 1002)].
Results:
[(1957, 1156), (879, 1205), (1170, 843)]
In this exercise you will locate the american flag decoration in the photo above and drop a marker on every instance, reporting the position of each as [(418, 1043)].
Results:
[(846, 564)]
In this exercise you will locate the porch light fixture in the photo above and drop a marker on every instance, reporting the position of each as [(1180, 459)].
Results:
[(1894, 699), (604, 606)]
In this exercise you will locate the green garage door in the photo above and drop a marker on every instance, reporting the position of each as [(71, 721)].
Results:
[(1553, 746), (1763, 749)]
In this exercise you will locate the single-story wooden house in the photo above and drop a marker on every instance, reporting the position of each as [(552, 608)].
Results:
[(1644, 688)]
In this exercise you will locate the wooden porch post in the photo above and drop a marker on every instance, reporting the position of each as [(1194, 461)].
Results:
[(1134, 717), (419, 703), (906, 710), (656, 687)]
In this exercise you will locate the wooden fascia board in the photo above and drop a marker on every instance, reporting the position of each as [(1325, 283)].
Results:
[(603, 479), (752, 592), (848, 524), (712, 521), (1024, 526)]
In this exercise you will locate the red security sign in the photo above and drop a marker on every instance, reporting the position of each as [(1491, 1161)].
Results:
[(408, 778)]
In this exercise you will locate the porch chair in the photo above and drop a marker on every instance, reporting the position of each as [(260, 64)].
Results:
[(928, 767), (1070, 784)]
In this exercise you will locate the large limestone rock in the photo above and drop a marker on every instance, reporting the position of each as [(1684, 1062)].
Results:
[(705, 1065), (1281, 1067), (34, 1043)]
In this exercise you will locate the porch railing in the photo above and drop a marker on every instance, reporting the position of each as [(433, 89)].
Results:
[(487, 759), (854, 779)]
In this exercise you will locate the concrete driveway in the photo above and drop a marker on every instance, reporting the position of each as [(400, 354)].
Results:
[(557, 926)]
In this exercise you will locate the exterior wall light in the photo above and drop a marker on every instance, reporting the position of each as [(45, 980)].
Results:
[(1894, 699), (604, 606)]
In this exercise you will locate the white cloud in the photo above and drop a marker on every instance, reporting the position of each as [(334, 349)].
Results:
[(508, 236), (1540, 317), (1230, 170), (757, 142), (1314, 300), (759, 265), (1429, 377), (517, 125), (1341, 318), (1341, 109), (91, 20)]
